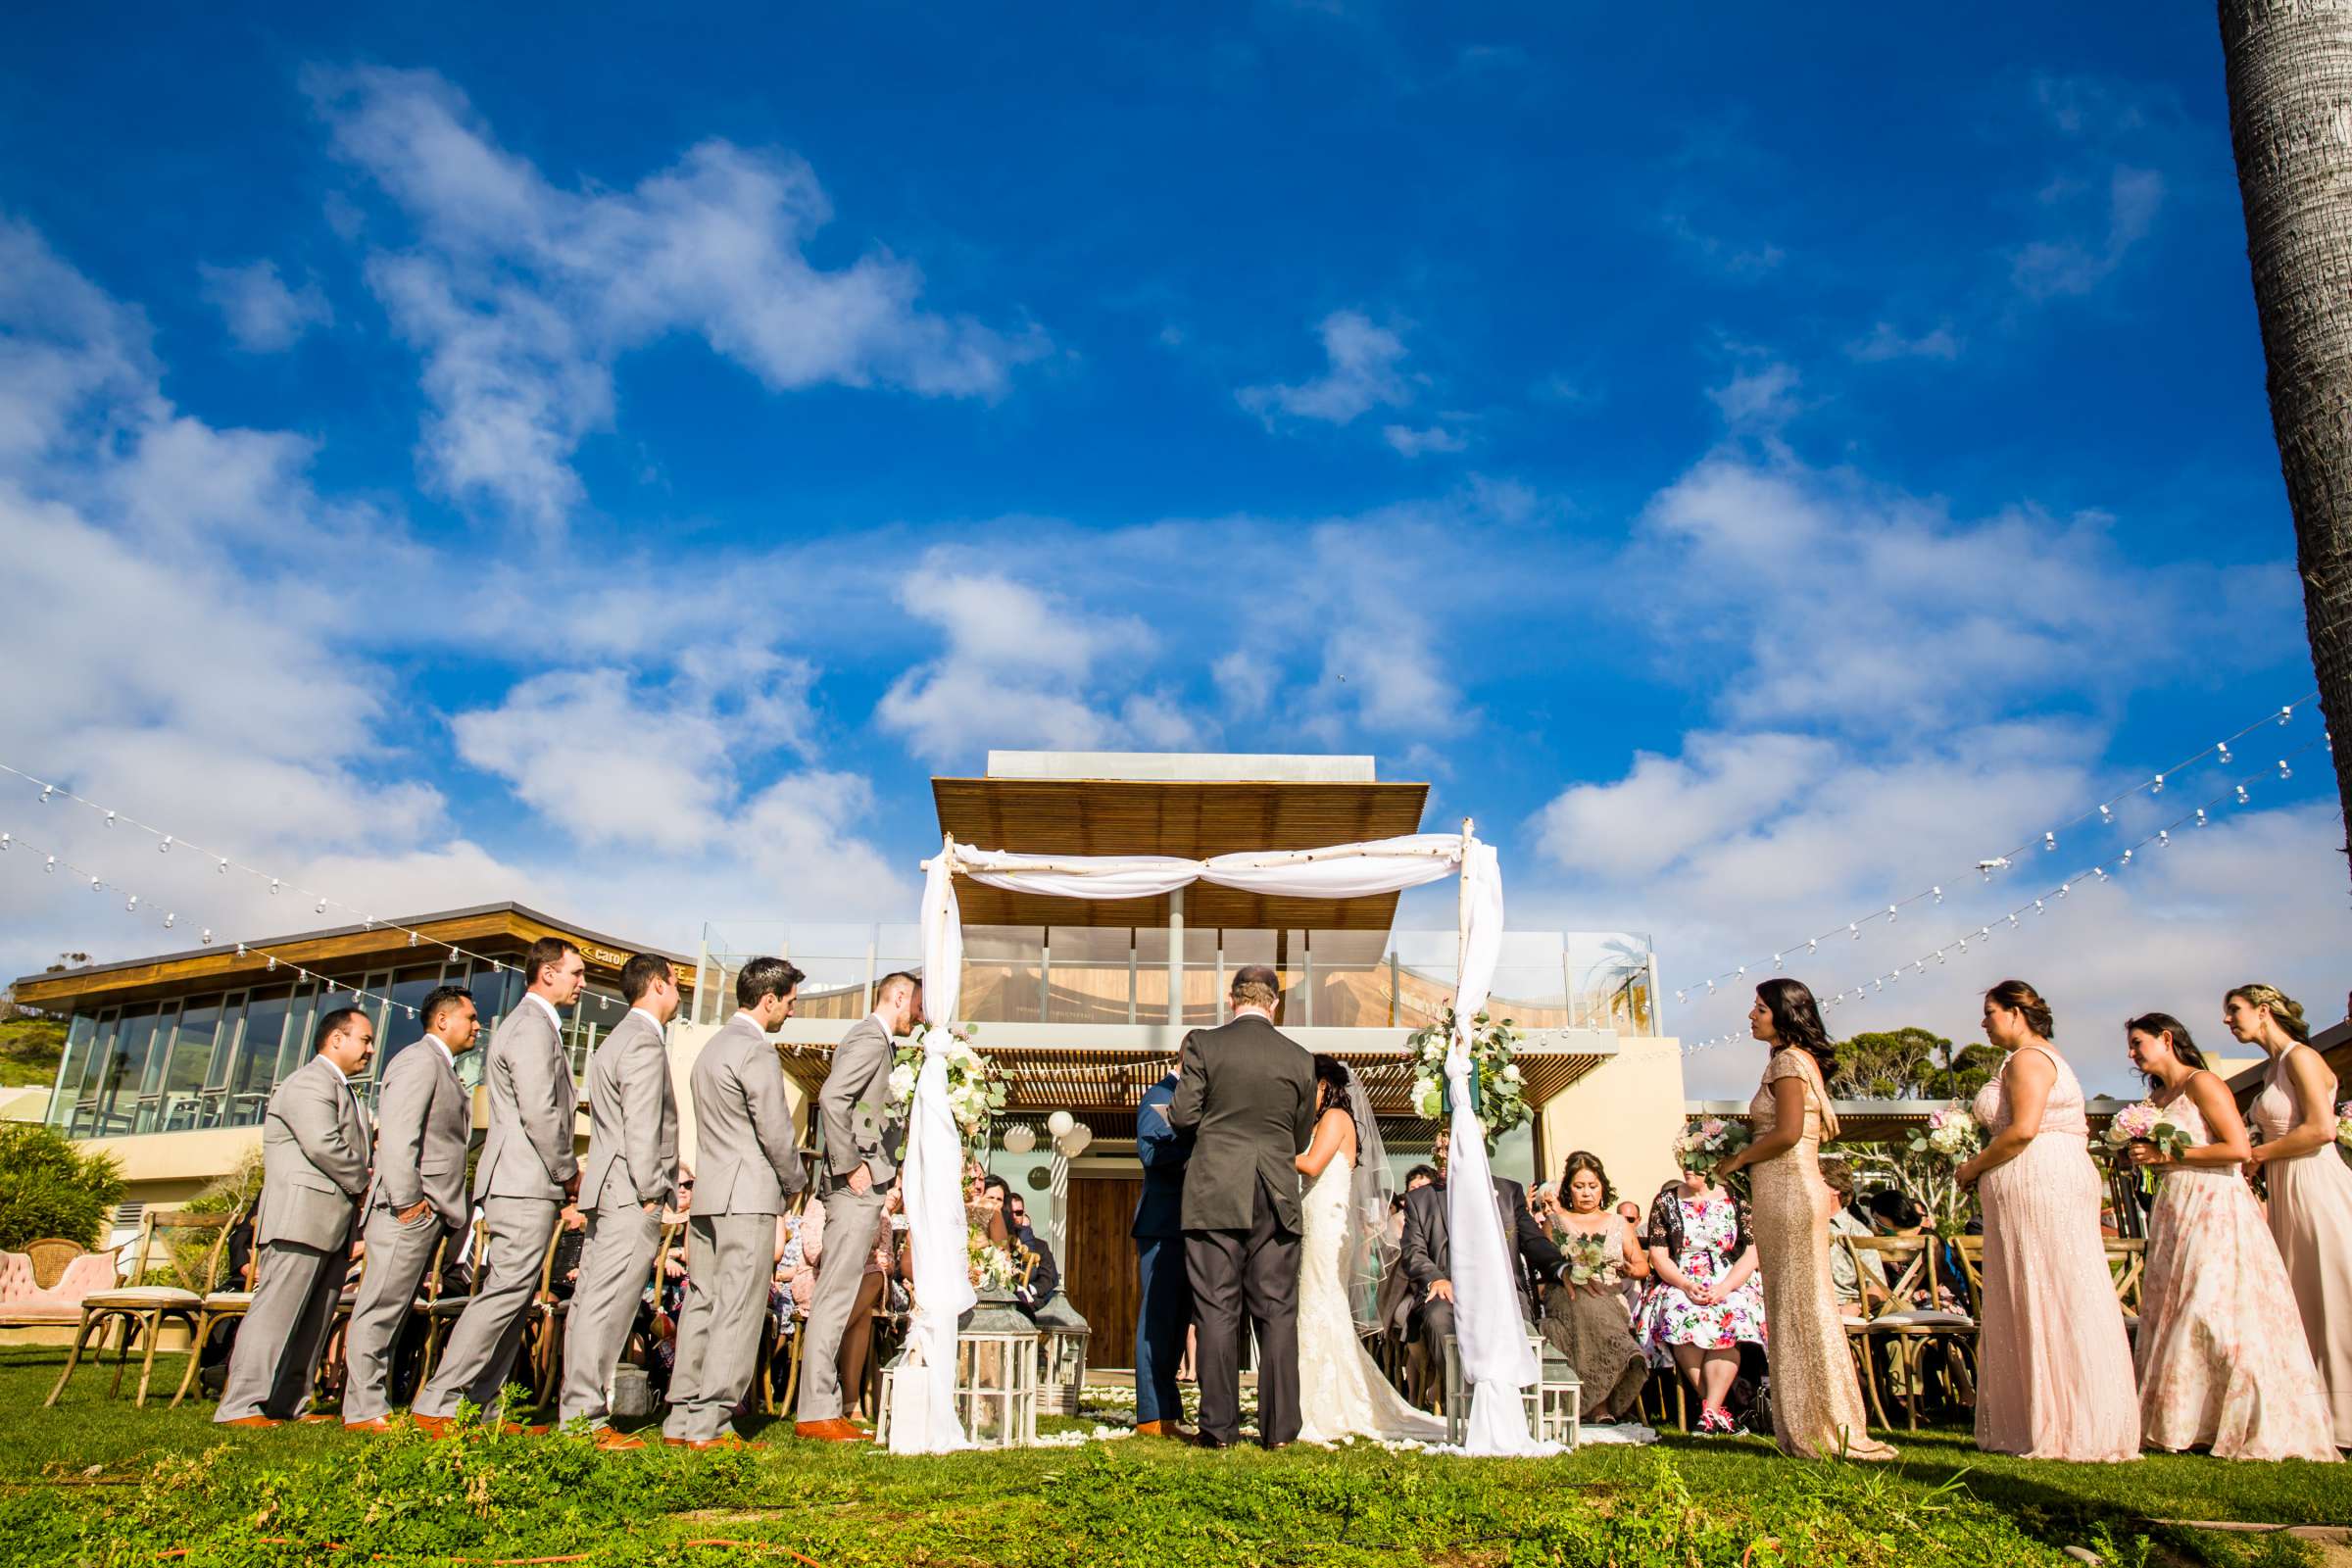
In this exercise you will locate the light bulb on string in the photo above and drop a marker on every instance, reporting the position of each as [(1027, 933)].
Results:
[(2127, 859), (274, 885), (132, 908), (2012, 918), (1940, 955), (2049, 841), (2156, 786), (273, 963), (110, 819), (1891, 914), (222, 868), (1939, 891), (2063, 887), (4, 843), (207, 937), (47, 790), (2222, 749), (320, 908), (2284, 771), (2099, 871), (164, 847), (51, 864), (2200, 817), (2242, 795), (2164, 838), (2105, 815), (2286, 713), (1853, 930), (412, 939), (94, 884), (240, 949), (171, 920)]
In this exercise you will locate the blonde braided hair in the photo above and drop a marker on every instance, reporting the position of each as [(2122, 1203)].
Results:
[(2281, 1007)]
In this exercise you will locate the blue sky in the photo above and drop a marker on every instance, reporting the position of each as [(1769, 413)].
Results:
[(1753, 465)]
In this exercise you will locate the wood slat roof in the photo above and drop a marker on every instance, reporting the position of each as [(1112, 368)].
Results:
[(1190, 819)]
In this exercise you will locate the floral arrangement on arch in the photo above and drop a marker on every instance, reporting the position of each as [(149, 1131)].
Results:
[(1497, 1093), (976, 1086)]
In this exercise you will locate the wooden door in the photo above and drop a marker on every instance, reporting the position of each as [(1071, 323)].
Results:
[(1099, 1274)]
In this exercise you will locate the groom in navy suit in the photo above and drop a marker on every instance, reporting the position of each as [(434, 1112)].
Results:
[(1166, 1310)]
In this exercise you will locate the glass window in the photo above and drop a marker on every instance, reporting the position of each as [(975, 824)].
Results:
[(301, 1015), (253, 1069), (82, 1119), (493, 992), (179, 1091), (114, 1107), (78, 1036), (399, 1031)]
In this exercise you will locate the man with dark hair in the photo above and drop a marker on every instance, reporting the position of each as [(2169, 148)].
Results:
[(862, 1144), (1420, 1176), (1427, 1251), (314, 1154), (424, 1117), (1247, 1093), (1164, 1305), (746, 1165), (526, 1173), (632, 1170)]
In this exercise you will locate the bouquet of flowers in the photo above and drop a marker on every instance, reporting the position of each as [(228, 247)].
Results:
[(1952, 1135), (991, 1266), (1496, 1091), (976, 1088), (1590, 1259), (2343, 1126), (1708, 1141), (2146, 1122)]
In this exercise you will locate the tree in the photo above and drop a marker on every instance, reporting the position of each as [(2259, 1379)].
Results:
[(50, 1187), (1910, 1063), (2289, 70)]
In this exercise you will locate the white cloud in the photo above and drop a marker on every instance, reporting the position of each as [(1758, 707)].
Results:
[(1365, 371), (1414, 443), (1726, 257), (1245, 680), (264, 314), (1759, 396), (522, 295), (2079, 263), (1885, 341)]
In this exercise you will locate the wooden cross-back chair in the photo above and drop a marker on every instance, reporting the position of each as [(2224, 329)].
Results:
[(1909, 1265), (763, 1378), (218, 1306), (187, 1251), (2126, 1267), (441, 1309), (543, 1327)]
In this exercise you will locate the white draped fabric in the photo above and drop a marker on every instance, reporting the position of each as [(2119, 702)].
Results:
[(1495, 1354), (922, 1406)]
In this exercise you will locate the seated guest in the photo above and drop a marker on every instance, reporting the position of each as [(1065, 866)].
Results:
[(1044, 1277), (1706, 1302), (1428, 1253), (1871, 1288), (1586, 1321), (315, 1151)]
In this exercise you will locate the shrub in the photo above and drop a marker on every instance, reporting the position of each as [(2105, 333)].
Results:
[(50, 1187)]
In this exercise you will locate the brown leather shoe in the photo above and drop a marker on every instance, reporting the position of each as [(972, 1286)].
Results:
[(435, 1426), (835, 1430), (1166, 1429), (252, 1421), (371, 1424), (611, 1441)]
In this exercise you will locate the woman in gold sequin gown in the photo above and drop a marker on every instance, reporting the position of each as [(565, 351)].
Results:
[(1817, 1408)]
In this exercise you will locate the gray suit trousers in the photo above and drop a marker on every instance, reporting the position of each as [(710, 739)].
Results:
[(850, 1222), (275, 1363), (398, 1256), (616, 1263), (481, 1348), (730, 1263)]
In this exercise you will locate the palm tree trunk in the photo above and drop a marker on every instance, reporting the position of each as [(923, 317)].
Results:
[(2289, 67)]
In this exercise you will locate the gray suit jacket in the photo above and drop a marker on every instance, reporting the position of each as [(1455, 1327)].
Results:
[(853, 1109), (745, 1157), (315, 1150), (1427, 1256), (633, 1117), (529, 1152), (423, 1119), (1247, 1093)]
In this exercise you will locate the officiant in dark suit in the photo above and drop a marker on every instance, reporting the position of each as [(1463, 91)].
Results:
[(1427, 1258), (1166, 1307), (1247, 1093)]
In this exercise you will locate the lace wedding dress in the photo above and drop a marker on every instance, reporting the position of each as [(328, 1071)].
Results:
[(1342, 1392)]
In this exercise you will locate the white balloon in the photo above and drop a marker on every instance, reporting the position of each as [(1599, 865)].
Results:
[(1073, 1142), (1060, 1123), (1019, 1138)]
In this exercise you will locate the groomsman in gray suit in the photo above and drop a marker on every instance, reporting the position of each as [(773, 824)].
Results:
[(314, 1154), (746, 1163), (526, 1173), (632, 1170), (423, 1119), (860, 1149)]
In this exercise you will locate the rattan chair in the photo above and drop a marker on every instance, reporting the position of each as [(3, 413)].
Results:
[(189, 1257), (1909, 1265), (441, 1309)]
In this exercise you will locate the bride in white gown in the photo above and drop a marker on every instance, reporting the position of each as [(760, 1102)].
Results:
[(1343, 1254)]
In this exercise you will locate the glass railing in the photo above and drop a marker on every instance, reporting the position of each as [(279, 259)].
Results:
[(1120, 975)]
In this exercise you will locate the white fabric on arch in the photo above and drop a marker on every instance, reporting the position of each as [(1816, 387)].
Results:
[(922, 1405), (1341, 871)]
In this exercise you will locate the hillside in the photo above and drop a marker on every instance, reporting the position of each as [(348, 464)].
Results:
[(29, 1050)]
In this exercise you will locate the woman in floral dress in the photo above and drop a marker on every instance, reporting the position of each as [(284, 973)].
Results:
[(1706, 1302), (2223, 1361)]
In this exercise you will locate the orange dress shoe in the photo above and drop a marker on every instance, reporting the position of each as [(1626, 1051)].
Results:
[(611, 1441), (253, 1421), (435, 1426), (371, 1424), (835, 1430)]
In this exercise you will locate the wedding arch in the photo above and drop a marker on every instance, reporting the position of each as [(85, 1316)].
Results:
[(1495, 1360)]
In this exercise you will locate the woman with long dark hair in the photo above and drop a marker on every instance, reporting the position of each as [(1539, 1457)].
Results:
[(2223, 1362), (1586, 1321), (1817, 1408), (2310, 1184), (2054, 1367)]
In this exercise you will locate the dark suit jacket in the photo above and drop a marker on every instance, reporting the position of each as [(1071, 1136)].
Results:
[(1159, 1211), (1428, 1251), (1247, 1093)]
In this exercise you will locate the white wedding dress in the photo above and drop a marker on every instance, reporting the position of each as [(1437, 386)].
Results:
[(1341, 1394)]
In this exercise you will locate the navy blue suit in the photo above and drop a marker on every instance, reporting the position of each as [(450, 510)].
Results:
[(1159, 1232)]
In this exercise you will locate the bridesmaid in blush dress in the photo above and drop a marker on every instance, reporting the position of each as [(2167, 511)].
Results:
[(1817, 1408), (2054, 1367), (2311, 1187), (2222, 1363)]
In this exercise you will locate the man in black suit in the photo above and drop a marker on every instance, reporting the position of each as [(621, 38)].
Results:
[(1165, 1311), (1246, 1091), (1428, 1251)]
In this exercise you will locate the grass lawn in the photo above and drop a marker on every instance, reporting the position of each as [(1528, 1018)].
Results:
[(96, 1481)]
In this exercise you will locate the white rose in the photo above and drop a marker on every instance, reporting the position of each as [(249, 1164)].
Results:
[(902, 1082), (1510, 1074)]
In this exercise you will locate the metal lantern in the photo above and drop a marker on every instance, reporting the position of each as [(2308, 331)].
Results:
[(1552, 1402), (996, 1373), (1560, 1396), (1063, 1336)]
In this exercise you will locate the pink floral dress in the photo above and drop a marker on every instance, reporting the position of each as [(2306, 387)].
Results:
[(1668, 1317)]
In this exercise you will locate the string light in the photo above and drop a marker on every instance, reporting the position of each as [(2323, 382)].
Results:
[(2098, 873)]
